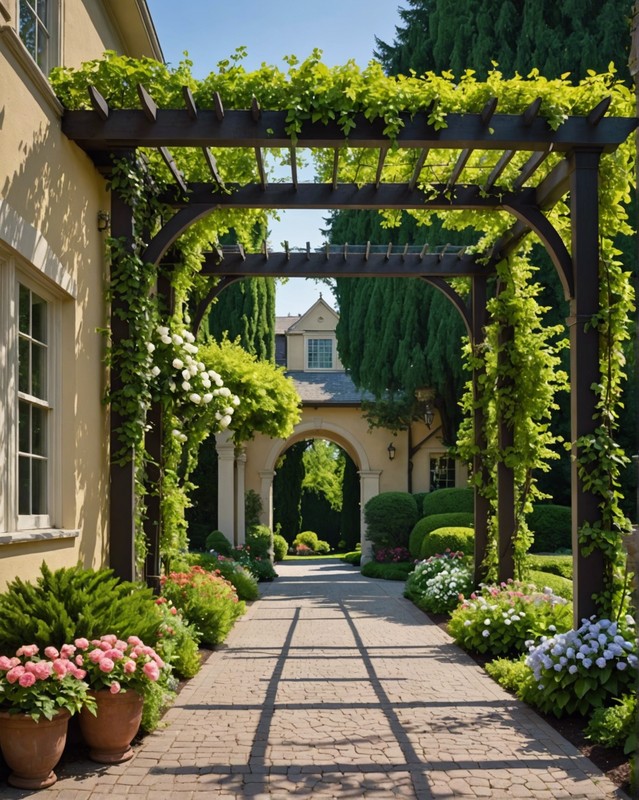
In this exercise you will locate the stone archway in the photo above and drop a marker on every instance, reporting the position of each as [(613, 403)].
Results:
[(320, 427)]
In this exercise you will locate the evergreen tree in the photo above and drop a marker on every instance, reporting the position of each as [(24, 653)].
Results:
[(246, 309), (287, 491), (350, 520)]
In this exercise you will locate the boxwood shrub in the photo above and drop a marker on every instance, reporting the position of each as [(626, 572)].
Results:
[(551, 527), (448, 501), (454, 539), (426, 525), (390, 517)]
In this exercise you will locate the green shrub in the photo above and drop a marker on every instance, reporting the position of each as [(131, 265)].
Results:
[(435, 584), (207, 601), (389, 572), (581, 670), (449, 501), (354, 558), (177, 641), (616, 726), (455, 539), (559, 586), (73, 603), (260, 568), (259, 540), (309, 538), (419, 499), (557, 565), (507, 673), (217, 541), (390, 517), (242, 579), (428, 524), (157, 698), (551, 527), (499, 620), (280, 547)]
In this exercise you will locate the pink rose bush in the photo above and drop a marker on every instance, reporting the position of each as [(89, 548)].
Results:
[(117, 665), (42, 685)]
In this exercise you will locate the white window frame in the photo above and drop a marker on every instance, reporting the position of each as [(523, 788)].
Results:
[(315, 337), (12, 274), (53, 27)]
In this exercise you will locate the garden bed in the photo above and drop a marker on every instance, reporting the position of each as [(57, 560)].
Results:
[(610, 760)]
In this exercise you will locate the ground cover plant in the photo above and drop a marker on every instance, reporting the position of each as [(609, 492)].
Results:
[(499, 620), (437, 582)]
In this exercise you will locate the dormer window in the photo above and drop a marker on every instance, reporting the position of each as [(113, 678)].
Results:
[(319, 353)]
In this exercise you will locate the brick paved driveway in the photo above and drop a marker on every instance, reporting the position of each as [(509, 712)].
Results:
[(334, 686)]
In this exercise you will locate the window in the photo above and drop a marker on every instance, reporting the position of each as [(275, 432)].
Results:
[(36, 29), (442, 472), (319, 354), (33, 404)]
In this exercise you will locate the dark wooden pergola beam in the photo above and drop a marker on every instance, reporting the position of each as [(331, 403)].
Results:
[(343, 265), (176, 128)]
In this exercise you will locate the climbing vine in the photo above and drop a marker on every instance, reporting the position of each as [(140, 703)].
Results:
[(519, 387)]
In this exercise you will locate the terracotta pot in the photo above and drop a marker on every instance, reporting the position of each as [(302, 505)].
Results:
[(109, 734), (32, 749)]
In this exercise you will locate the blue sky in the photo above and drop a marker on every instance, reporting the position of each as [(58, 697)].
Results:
[(210, 30)]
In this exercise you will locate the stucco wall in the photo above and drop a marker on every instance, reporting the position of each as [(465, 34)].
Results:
[(50, 195)]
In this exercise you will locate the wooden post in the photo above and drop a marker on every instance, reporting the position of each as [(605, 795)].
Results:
[(588, 572), (121, 484)]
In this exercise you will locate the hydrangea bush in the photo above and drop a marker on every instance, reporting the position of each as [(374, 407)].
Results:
[(500, 619), (437, 583), (117, 665), (579, 670)]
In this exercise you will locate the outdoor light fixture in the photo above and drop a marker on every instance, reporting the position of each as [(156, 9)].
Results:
[(104, 220), (426, 397), (391, 451)]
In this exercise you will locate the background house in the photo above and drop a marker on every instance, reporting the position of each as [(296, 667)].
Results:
[(53, 426), (331, 409)]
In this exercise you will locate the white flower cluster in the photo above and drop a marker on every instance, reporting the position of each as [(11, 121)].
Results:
[(508, 617), (597, 644), (190, 380), (440, 580)]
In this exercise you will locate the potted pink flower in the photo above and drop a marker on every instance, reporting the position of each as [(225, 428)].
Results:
[(120, 674), (38, 694)]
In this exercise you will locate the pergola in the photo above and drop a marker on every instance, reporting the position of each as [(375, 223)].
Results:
[(105, 133)]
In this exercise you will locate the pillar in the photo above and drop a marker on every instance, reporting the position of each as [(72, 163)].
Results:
[(226, 484), (266, 495), (369, 487), (240, 512)]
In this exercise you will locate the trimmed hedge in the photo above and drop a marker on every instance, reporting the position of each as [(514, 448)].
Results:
[(557, 565), (449, 501), (426, 525), (397, 571), (217, 541), (280, 547), (390, 517), (551, 526), (419, 499), (453, 538)]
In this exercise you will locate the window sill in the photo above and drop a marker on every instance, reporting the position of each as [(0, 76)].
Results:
[(43, 535), (21, 54)]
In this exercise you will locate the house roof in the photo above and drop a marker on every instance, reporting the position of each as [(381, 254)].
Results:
[(327, 388), (282, 324)]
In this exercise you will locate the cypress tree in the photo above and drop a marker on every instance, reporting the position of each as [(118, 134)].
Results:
[(287, 491)]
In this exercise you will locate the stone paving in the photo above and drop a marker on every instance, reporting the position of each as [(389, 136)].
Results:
[(334, 686)]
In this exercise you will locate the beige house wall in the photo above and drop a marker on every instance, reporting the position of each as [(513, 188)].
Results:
[(50, 195)]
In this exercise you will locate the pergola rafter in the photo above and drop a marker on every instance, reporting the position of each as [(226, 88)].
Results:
[(551, 164)]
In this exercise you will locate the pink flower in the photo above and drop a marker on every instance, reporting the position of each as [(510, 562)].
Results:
[(120, 645), (95, 656), (115, 687), (28, 650), (67, 650), (51, 652), (6, 662), (79, 660), (14, 673), (27, 679), (113, 654), (130, 667), (151, 670), (109, 638), (60, 667), (43, 670), (106, 665), (81, 644), (174, 611), (134, 640)]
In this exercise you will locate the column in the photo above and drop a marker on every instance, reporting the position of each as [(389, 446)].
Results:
[(226, 484), (369, 487), (266, 494), (240, 515)]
